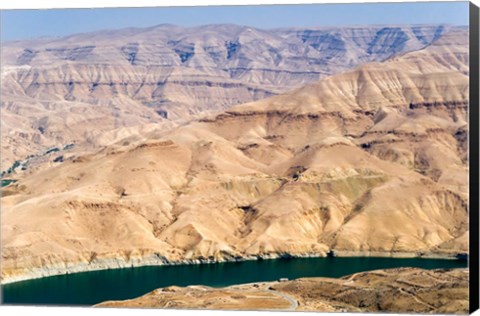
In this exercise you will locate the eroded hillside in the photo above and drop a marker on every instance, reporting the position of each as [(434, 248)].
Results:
[(372, 160), (69, 90)]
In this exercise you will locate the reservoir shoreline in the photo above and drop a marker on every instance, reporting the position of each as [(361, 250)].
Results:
[(100, 264), (93, 287)]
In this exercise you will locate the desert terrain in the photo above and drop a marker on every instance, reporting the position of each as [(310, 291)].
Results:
[(68, 90), (366, 160), (404, 290)]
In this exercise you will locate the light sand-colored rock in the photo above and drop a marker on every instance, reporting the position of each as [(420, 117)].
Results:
[(368, 161), (64, 90)]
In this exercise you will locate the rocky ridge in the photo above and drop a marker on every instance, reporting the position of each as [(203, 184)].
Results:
[(73, 89), (368, 161)]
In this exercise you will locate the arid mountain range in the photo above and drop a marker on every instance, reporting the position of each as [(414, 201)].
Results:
[(372, 160), (67, 90)]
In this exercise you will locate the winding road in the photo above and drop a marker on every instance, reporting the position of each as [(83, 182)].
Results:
[(293, 302)]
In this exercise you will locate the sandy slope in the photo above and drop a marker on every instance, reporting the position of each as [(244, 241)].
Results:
[(372, 160), (63, 90)]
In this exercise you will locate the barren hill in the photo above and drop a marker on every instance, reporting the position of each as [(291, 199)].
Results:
[(370, 161), (59, 91)]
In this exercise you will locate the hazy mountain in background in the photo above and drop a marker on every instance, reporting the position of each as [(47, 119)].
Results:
[(58, 91)]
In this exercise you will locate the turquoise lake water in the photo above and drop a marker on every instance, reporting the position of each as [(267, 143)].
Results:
[(88, 288)]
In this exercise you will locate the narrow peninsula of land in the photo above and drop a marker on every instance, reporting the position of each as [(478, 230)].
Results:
[(400, 290)]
